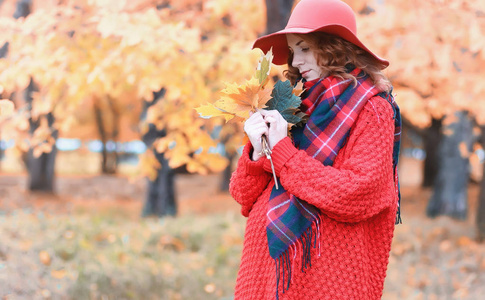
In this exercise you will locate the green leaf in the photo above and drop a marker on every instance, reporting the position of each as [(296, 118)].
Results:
[(284, 101)]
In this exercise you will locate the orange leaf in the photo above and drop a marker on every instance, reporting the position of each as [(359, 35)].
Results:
[(58, 274), (248, 97), (44, 257)]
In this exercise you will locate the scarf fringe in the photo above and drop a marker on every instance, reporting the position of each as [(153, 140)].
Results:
[(284, 264), (398, 215), (398, 191), (397, 144)]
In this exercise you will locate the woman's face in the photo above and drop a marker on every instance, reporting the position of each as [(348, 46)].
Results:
[(303, 57)]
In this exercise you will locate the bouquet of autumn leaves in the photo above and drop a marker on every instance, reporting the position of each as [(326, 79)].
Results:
[(238, 101)]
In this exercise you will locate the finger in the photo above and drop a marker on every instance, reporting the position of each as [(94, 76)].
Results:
[(272, 112), (270, 119), (256, 131), (276, 121), (266, 112), (256, 115), (255, 118), (257, 124)]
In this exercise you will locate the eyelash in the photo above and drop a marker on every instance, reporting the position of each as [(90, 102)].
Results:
[(302, 49)]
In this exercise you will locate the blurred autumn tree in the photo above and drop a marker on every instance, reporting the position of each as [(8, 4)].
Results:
[(436, 49), (111, 56), (40, 164)]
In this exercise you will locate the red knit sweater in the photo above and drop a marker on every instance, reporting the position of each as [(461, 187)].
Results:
[(358, 201)]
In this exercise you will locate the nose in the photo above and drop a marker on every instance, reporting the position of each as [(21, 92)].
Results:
[(297, 60)]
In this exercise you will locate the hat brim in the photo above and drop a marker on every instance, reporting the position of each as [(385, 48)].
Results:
[(278, 42)]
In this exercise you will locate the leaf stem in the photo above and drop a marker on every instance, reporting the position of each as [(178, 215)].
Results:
[(267, 151)]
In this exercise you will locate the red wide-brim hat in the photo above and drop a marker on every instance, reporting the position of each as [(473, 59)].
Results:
[(329, 16)]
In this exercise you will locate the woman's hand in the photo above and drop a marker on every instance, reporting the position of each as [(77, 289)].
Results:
[(255, 127), (265, 122), (278, 127)]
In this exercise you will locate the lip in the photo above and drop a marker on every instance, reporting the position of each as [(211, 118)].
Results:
[(304, 72)]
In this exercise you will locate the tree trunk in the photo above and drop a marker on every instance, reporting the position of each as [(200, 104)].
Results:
[(277, 14), (160, 200), (161, 195), (114, 159), (40, 169), (109, 160), (481, 198), (22, 9), (4, 50), (450, 192), (431, 139), (226, 174)]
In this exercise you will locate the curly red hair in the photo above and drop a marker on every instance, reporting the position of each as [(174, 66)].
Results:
[(333, 54)]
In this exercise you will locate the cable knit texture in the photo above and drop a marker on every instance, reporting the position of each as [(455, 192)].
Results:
[(358, 201)]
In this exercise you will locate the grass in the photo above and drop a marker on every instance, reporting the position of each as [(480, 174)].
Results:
[(108, 256)]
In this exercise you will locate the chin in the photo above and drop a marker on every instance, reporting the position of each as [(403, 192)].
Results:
[(311, 78)]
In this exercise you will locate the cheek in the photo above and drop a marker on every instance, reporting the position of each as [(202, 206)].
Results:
[(310, 58), (313, 61)]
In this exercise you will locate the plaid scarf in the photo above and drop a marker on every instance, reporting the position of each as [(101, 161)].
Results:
[(333, 105)]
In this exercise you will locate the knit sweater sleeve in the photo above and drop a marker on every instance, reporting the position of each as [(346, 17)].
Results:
[(249, 180), (353, 191)]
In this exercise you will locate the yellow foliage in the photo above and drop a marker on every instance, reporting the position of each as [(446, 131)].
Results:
[(78, 59), (6, 108), (149, 165), (464, 151), (215, 162), (435, 48), (413, 105)]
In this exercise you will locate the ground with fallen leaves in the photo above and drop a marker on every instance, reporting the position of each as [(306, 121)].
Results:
[(89, 242)]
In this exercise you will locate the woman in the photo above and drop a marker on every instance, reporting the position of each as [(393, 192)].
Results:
[(326, 232)]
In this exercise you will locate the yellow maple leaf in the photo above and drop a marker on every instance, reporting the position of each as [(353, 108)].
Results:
[(248, 97), (237, 101), (212, 110)]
